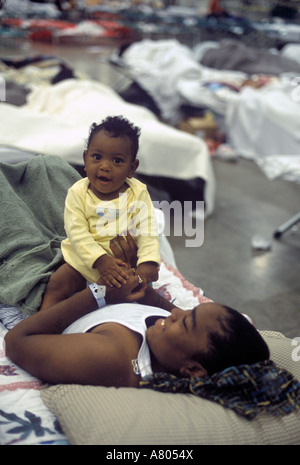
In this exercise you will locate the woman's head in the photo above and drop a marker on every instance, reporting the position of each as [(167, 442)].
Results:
[(202, 341), (235, 342)]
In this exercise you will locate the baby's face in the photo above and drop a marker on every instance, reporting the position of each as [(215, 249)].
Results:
[(108, 162)]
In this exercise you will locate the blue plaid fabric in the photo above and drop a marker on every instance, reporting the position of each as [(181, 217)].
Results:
[(248, 390)]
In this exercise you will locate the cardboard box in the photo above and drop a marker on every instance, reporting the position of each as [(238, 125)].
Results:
[(205, 127)]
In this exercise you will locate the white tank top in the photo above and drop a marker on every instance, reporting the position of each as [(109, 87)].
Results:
[(133, 316)]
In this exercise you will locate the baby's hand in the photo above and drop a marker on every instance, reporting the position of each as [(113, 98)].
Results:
[(111, 271)]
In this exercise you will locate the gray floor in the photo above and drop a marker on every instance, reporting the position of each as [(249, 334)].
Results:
[(265, 285)]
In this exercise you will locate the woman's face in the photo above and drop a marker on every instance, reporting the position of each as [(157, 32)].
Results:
[(174, 341)]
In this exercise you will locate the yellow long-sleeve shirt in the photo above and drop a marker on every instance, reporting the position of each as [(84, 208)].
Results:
[(91, 224)]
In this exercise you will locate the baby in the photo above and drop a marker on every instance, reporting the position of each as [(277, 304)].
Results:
[(107, 203)]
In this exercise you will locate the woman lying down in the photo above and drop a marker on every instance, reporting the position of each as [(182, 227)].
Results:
[(130, 333)]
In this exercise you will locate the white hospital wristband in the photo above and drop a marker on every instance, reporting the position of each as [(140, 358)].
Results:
[(99, 293)]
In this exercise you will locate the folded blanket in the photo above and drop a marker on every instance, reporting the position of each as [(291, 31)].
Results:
[(247, 389), (32, 196)]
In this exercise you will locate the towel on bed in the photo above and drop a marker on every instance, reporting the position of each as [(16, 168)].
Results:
[(248, 390), (32, 196)]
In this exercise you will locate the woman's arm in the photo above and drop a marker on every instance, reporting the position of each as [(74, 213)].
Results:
[(154, 299), (127, 251), (37, 345)]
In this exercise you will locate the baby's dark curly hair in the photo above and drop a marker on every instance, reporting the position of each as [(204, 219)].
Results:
[(117, 126)]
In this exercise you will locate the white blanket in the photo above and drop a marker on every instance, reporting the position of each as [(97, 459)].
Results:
[(57, 118), (264, 125), (169, 72)]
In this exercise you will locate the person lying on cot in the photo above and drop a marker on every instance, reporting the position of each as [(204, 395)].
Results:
[(135, 333)]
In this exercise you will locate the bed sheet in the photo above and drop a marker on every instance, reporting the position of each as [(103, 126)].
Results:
[(185, 80), (24, 418), (263, 125)]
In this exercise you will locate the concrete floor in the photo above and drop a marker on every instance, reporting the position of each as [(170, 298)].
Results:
[(265, 285)]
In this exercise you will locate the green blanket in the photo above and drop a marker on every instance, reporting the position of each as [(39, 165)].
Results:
[(32, 196)]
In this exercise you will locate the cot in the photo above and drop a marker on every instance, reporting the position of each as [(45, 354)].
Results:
[(57, 106)]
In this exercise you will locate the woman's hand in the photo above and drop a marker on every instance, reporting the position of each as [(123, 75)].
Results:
[(125, 249), (129, 292)]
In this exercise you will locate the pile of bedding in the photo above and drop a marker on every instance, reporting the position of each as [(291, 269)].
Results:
[(27, 8), (61, 31), (253, 92), (235, 55), (60, 105), (32, 203)]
